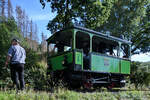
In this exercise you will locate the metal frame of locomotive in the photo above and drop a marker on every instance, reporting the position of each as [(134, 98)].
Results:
[(89, 58)]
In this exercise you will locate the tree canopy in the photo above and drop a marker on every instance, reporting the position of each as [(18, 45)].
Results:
[(87, 13), (8, 30), (128, 19)]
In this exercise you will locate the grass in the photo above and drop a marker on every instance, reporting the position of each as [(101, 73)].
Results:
[(64, 94)]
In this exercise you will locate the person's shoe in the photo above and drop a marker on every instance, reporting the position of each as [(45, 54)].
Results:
[(18, 91)]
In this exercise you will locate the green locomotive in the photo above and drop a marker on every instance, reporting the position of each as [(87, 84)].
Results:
[(83, 57)]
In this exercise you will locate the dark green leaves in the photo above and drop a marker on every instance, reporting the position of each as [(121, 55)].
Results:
[(87, 13), (121, 18)]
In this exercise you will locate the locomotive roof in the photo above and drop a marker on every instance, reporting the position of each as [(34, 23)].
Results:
[(91, 32)]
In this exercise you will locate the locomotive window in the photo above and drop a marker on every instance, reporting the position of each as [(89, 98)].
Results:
[(83, 42), (67, 48), (124, 51), (61, 41), (104, 46), (51, 50)]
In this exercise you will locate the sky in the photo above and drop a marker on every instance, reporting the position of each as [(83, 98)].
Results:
[(34, 10), (41, 17), (141, 57)]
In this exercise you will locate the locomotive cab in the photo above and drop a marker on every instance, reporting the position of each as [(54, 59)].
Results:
[(87, 58)]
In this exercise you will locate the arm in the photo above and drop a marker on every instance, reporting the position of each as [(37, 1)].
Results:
[(9, 55), (7, 60)]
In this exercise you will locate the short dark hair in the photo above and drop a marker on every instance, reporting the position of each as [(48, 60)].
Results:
[(16, 40)]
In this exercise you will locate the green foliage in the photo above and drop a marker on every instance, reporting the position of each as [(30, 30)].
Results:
[(62, 94), (139, 76), (93, 13), (89, 13), (8, 30), (122, 18), (130, 19), (35, 71)]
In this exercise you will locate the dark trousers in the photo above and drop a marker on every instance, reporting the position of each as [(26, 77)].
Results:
[(17, 75)]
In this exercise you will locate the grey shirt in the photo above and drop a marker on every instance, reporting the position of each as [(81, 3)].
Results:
[(17, 54)]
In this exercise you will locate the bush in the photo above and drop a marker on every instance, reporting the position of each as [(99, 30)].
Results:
[(35, 68), (35, 71), (8, 30), (139, 77)]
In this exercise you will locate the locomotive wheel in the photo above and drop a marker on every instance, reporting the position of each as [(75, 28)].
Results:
[(87, 85), (110, 87)]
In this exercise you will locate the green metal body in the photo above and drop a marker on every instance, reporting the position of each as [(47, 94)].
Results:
[(104, 64), (125, 67), (98, 62), (56, 61), (79, 58)]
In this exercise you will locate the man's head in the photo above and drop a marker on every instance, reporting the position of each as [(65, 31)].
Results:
[(14, 41)]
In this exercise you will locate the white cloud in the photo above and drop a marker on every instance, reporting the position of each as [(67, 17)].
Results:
[(42, 17), (141, 57)]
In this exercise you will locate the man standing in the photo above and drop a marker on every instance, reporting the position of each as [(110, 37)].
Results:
[(16, 56)]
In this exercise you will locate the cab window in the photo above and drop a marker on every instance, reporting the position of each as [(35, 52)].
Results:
[(83, 42), (104, 46), (61, 42), (124, 51)]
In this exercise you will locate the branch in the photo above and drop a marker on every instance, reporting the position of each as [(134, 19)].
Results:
[(138, 45), (42, 3)]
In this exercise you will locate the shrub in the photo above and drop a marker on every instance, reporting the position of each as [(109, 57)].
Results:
[(139, 77)]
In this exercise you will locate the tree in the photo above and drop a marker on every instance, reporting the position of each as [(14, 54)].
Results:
[(35, 32), (128, 18), (19, 17), (9, 9), (23, 23), (93, 13), (139, 76), (8, 29), (2, 7), (31, 30), (26, 26), (87, 13), (43, 43), (121, 18)]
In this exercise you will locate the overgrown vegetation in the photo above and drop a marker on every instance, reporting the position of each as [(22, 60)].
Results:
[(140, 75), (35, 68), (8, 29), (63, 94), (22, 28)]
